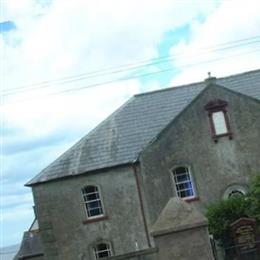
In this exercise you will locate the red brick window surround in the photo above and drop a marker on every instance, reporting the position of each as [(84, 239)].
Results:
[(218, 119)]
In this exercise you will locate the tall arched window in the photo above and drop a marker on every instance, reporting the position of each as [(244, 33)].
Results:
[(92, 201), (183, 182), (102, 250)]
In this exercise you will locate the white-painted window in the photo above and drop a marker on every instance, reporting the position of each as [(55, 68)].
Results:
[(235, 190), (183, 182), (102, 250), (219, 123), (92, 201)]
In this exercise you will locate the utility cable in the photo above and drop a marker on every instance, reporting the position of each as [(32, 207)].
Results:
[(124, 68), (140, 75)]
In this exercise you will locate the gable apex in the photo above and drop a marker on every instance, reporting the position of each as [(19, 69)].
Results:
[(121, 138)]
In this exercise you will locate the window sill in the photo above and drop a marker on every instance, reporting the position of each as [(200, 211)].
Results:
[(192, 199), (92, 220)]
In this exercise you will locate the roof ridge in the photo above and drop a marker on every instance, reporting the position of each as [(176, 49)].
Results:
[(194, 84), (168, 89), (128, 141), (239, 74)]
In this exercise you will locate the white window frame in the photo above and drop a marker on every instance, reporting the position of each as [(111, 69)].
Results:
[(234, 187), (177, 183), (108, 249), (87, 202)]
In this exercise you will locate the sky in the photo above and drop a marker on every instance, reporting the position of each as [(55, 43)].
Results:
[(66, 65)]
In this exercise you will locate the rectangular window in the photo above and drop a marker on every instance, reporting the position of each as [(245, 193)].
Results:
[(92, 201), (218, 119), (183, 182), (102, 250), (219, 123)]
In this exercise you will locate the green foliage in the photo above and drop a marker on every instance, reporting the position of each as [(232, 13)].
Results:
[(253, 198), (225, 212)]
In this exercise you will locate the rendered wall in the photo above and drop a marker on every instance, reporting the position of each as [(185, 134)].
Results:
[(214, 166), (61, 210), (185, 245), (147, 254)]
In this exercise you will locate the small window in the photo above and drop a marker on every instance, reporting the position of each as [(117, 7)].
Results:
[(219, 123), (234, 191), (92, 201), (183, 182), (102, 250), (218, 119)]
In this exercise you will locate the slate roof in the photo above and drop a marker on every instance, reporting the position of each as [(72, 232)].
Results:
[(31, 246), (121, 137)]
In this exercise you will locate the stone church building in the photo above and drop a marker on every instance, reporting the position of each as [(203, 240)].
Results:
[(137, 186)]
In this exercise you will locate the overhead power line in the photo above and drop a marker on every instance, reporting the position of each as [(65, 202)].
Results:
[(151, 73), (142, 75), (129, 67)]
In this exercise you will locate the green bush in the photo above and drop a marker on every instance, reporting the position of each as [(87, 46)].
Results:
[(225, 212), (221, 214), (253, 198)]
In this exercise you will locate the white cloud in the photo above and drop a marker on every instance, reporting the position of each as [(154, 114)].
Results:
[(67, 38), (71, 37), (50, 117), (17, 200), (231, 21), (80, 36), (12, 220), (19, 212), (64, 38)]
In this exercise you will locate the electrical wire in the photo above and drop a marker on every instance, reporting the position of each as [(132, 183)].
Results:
[(125, 68), (140, 75)]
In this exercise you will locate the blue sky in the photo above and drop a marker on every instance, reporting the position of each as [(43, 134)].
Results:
[(6, 26), (52, 40)]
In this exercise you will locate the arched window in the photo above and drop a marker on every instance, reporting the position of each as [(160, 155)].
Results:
[(235, 190), (183, 182), (92, 201), (102, 250)]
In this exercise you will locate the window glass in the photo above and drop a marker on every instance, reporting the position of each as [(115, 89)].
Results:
[(235, 193), (219, 123), (183, 182), (102, 250), (92, 201)]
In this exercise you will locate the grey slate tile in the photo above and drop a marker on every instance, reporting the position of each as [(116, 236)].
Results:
[(122, 136), (31, 246)]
